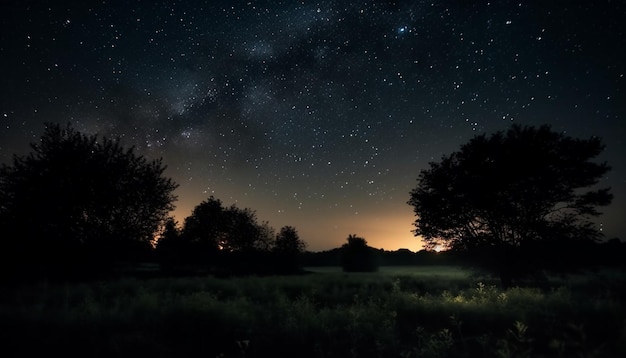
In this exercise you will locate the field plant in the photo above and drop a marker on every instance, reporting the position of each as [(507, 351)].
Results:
[(411, 312)]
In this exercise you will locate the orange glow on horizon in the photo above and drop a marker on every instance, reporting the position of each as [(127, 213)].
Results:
[(390, 231)]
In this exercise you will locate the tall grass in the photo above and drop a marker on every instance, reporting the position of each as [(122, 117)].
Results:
[(393, 313)]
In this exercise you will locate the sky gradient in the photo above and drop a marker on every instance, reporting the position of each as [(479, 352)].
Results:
[(317, 115)]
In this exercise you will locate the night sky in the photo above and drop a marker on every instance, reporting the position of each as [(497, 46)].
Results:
[(316, 114)]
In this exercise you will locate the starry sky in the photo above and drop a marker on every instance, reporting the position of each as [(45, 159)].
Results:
[(316, 114)]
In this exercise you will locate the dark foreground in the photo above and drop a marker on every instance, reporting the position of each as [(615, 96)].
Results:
[(408, 312)]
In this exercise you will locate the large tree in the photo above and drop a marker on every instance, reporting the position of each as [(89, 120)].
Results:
[(225, 238), (511, 189), (78, 199), (214, 227), (288, 249), (357, 256)]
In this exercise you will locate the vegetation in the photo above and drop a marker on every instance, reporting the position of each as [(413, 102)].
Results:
[(407, 312), (81, 206), (356, 256), (217, 228), (512, 195), (77, 203), (228, 240), (288, 249)]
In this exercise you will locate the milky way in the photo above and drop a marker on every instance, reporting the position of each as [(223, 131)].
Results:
[(318, 115)]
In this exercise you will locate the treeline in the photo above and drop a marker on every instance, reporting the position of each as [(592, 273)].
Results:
[(84, 207), (401, 257), (555, 256), (534, 259), (382, 257), (227, 240)]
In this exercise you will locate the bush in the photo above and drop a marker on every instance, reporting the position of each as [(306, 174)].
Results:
[(356, 256)]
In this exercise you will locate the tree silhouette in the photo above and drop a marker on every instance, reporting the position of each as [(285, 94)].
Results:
[(267, 235), (225, 237), (206, 227), (356, 256), (510, 192), (243, 233), (227, 229), (170, 232), (288, 248), (79, 200), (170, 248)]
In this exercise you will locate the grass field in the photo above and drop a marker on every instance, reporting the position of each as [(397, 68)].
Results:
[(434, 311), (444, 272)]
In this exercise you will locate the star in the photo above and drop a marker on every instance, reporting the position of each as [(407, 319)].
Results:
[(343, 104)]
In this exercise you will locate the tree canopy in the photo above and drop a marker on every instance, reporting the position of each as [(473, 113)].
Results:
[(215, 227), (512, 188), (288, 241), (80, 198), (228, 240), (357, 256), (288, 249)]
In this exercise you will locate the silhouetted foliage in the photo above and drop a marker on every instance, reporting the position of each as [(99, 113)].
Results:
[(170, 248), (512, 195), (356, 256), (288, 249), (227, 229), (215, 237), (170, 232), (243, 231), (405, 257), (400, 257), (79, 201), (322, 258), (205, 227)]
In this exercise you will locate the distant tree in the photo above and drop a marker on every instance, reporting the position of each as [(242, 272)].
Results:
[(356, 256), (288, 249), (226, 237), (507, 193), (169, 247), (206, 228), (170, 231), (217, 228), (243, 232), (322, 258), (613, 253), (79, 200), (267, 235)]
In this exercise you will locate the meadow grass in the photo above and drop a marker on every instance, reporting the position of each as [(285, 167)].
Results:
[(444, 271), (397, 312)]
